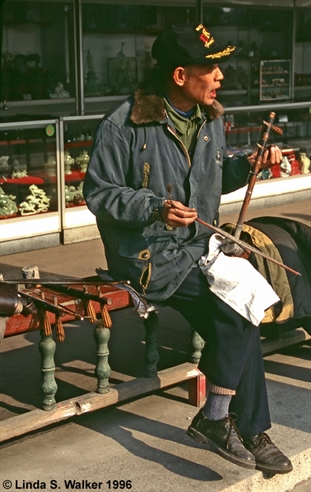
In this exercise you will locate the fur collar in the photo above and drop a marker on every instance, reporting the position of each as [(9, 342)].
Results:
[(148, 108)]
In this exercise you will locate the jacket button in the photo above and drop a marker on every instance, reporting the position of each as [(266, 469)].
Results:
[(145, 256), (205, 138)]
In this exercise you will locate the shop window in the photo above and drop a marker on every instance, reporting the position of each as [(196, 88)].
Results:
[(37, 51)]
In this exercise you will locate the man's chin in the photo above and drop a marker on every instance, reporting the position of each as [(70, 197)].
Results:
[(209, 101)]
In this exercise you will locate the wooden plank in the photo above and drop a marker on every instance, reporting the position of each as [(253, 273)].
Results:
[(288, 338), (36, 419)]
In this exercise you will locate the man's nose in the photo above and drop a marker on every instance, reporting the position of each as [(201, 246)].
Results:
[(218, 74)]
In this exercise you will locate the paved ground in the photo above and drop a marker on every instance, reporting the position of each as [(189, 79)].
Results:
[(142, 443)]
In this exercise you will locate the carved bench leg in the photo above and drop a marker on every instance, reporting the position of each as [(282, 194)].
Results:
[(102, 370), (47, 348), (197, 390), (151, 353), (196, 345), (197, 386)]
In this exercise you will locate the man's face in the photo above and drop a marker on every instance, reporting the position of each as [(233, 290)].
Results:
[(200, 84)]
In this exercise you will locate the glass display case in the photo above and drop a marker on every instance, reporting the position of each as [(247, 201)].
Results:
[(275, 80), (29, 179), (76, 140), (286, 182), (260, 33), (117, 40), (76, 57), (38, 60), (243, 127), (43, 164)]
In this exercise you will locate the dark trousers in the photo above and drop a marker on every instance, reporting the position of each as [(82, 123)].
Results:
[(232, 356)]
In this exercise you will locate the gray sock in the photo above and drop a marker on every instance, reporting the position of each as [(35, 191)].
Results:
[(216, 406)]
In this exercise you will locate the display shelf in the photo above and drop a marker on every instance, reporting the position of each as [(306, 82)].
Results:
[(303, 88), (74, 176), (27, 180), (78, 143), (19, 142), (241, 129)]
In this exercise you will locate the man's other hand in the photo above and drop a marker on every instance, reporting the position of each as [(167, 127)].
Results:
[(273, 155), (175, 214)]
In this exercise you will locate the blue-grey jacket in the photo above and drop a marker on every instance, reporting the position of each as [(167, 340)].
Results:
[(137, 159)]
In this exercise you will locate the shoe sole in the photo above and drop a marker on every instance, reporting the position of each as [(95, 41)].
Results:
[(273, 469), (198, 437)]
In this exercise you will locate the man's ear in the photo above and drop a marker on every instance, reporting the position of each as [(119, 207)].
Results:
[(179, 76)]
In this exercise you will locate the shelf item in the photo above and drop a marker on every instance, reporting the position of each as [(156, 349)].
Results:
[(8, 206), (304, 163), (83, 160), (36, 202), (74, 195)]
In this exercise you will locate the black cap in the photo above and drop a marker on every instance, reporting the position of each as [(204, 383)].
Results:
[(189, 44)]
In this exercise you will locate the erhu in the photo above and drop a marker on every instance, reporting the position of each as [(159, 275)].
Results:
[(232, 244), (262, 146)]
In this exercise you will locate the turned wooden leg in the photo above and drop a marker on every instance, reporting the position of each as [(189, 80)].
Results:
[(102, 370), (47, 348), (196, 346), (151, 353)]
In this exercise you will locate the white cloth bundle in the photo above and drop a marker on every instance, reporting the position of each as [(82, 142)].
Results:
[(237, 282)]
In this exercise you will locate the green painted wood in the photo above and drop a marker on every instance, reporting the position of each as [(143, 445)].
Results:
[(47, 348), (102, 369)]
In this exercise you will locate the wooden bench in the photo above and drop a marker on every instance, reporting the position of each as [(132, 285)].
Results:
[(109, 299), (74, 303)]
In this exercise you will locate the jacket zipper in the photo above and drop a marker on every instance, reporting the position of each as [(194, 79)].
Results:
[(201, 128), (182, 144)]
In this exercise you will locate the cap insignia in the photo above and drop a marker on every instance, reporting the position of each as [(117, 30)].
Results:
[(227, 51), (205, 36)]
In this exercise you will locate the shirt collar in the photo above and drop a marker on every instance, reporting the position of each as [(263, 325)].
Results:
[(194, 113)]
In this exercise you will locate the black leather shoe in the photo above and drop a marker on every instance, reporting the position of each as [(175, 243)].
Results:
[(269, 458), (223, 436)]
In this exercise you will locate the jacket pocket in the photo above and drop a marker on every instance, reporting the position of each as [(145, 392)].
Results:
[(148, 261), (137, 256)]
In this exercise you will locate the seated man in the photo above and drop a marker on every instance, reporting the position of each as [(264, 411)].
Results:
[(159, 162)]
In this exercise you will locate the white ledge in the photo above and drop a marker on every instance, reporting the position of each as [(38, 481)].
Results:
[(271, 187)]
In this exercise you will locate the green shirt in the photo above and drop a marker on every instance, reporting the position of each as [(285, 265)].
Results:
[(186, 128)]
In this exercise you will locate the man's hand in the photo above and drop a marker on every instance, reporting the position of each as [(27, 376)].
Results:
[(175, 214), (273, 155)]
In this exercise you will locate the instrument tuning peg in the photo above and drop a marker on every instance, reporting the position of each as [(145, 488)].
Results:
[(277, 129)]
